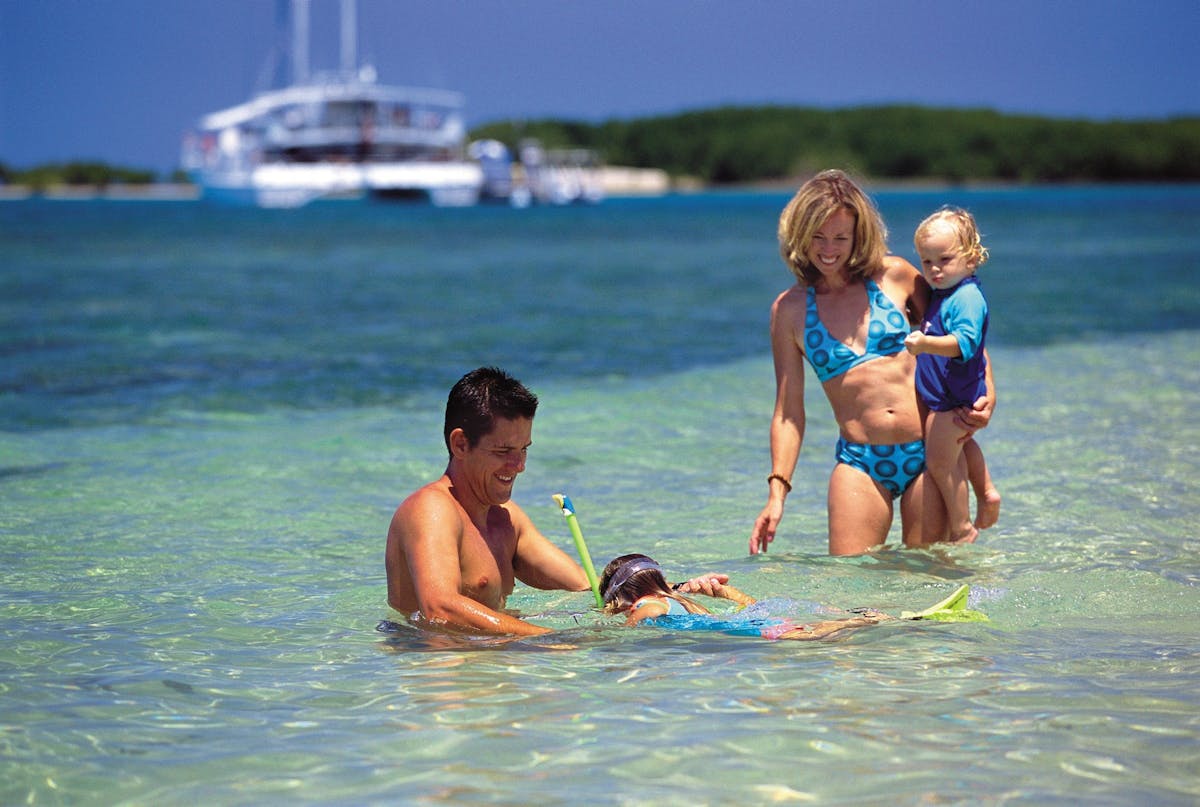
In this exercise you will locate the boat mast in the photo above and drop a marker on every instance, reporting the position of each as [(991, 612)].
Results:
[(299, 41), (349, 38)]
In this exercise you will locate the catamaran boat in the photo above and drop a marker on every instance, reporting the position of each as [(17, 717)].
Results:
[(335, 135)]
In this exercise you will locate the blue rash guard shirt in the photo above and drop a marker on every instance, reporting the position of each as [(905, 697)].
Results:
[(946, 383)]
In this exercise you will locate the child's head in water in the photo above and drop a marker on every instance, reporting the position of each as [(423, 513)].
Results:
[(630, 577)]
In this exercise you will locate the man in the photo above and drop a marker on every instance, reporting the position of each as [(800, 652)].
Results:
[(455, 546)]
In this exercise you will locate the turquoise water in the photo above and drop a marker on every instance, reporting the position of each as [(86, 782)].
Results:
[(207, 418)]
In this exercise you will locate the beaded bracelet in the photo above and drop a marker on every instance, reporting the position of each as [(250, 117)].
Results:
[(787, 485)]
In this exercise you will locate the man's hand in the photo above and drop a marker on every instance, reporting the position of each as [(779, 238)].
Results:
[(709, 584)]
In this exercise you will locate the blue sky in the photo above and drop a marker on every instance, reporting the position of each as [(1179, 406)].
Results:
[(122, 80)]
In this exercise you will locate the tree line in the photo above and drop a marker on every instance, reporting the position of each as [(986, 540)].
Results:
[(754, 144), (730, 145), (75, 173)]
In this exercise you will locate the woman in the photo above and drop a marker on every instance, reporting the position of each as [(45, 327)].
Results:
[(634, 585), (848, 314)]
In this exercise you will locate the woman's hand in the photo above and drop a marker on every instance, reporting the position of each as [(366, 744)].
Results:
[(765, 526), (973, 418), (978, 415)]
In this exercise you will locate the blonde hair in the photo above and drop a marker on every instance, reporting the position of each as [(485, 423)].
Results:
[(965, 231), (817, 200)]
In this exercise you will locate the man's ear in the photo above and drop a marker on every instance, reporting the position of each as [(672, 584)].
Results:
[(459, 445)]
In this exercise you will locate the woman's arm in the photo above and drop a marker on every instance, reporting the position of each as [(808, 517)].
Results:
[(978, 416), (901, 281), (788, 420)]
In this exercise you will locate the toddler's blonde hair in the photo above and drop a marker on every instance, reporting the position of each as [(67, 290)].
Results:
[(965, 230)]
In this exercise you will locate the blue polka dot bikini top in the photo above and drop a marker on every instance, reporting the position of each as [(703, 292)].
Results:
[(885, 336)]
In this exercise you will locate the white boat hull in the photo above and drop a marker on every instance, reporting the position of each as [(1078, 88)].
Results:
[(333, 136), (287, 185)]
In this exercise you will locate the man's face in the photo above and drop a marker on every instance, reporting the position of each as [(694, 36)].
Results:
[(492, 466)]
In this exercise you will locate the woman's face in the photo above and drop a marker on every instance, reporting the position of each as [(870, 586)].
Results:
[(833, 243)]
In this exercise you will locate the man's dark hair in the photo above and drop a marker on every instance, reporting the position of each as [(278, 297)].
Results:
[(480, 397)]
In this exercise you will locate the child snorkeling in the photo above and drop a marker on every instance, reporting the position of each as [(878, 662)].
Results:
[(634, 585)]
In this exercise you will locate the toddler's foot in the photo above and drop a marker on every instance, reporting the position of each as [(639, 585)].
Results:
[(987, 509), (967, 537)]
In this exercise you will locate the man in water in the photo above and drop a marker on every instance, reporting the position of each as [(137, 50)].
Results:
[(455, 546)]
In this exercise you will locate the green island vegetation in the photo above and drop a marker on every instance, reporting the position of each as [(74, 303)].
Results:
[(75, 173), (732, 145), (763, 144)]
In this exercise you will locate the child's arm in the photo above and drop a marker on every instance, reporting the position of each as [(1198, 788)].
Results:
[(647, 608), (918, 343)]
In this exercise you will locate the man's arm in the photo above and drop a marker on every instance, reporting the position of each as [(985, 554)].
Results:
[(538, 562), (429, 529), (714, 585)]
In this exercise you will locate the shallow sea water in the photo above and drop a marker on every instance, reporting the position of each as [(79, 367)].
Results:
[(206, 422)]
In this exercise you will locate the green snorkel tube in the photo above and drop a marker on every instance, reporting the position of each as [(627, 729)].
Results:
[(568, 511)]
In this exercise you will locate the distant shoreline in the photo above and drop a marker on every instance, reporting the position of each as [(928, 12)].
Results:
[(650, 183), (616, 181), (164, 191)]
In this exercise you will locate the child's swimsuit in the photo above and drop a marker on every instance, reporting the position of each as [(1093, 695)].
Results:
[(758, 619), (886, 332), (943, 382), (893, 466), (734, 624)]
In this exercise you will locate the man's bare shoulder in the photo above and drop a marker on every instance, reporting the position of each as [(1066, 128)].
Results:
[(430, 504)]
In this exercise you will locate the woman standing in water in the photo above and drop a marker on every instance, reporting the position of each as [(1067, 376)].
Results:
[(848, 314)]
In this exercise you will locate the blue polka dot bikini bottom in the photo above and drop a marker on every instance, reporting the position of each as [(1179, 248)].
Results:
[(895, 467)]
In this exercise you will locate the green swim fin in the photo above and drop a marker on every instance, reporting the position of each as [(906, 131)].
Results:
[(952, 609)]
